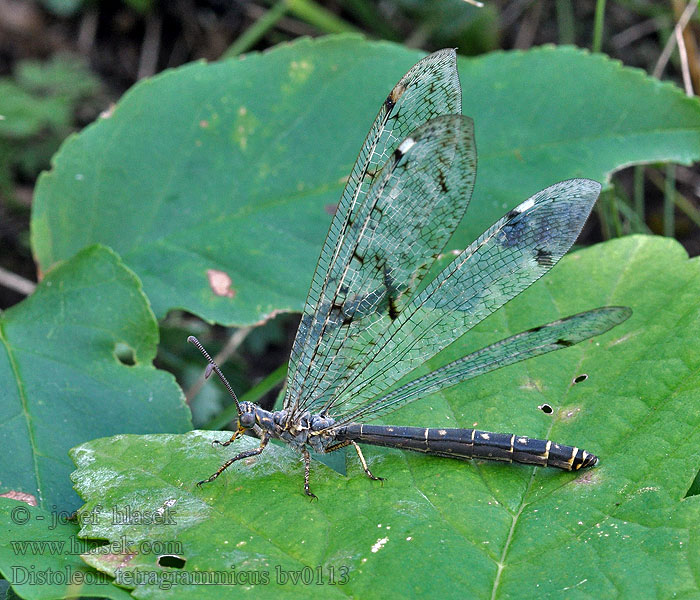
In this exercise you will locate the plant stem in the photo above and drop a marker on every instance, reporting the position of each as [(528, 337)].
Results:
[(669, 197), (565, 22), (319, 17), (598, 27), (682, 203), (639, 191), (257, 30)]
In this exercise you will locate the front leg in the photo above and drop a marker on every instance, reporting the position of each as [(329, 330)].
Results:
[(263, 442), (307, 466), (234, 437)]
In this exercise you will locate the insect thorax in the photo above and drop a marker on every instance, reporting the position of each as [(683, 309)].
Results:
[(297, 432)]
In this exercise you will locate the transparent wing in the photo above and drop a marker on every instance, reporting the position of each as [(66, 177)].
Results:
[(411, 211), (534, 342), (505, 260), (431, 88)]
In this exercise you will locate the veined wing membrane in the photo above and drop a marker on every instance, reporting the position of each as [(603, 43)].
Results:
[(411, 211), (505, 260), (528, 344), (431, 88)]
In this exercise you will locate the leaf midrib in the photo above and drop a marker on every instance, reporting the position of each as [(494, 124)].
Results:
[(31, 433)]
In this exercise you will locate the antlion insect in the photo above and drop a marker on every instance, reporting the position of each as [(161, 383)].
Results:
[(364, 326)]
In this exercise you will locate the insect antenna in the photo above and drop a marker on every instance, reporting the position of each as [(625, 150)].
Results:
[(212, 366)]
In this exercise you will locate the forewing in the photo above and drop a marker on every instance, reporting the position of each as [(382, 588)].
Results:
[(504, 261), (410, 212), (431, 88), (528, 344)]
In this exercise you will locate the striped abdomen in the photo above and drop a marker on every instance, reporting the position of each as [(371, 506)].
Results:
[(469, 443)]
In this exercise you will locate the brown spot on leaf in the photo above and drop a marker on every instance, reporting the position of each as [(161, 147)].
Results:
[(569, 413), (204, 124), (220, 283), (21, 496), (330, 208), (112, 561), (587, 478), (532, 384)]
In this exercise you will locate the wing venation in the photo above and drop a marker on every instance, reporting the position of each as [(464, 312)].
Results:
[(430, 89), (500, 264), (528, 344)]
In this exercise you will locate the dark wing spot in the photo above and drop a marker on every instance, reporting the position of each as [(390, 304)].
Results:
[(442, 182), (565, 343), (395, 94), (392, 294), (513, 231), (544, 257), (393, 309), (339, 317)]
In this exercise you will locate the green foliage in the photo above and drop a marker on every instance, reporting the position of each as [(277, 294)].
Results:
[(64, 8), (237, 164), (448, 23), (37, 107), (67, 8), (44, 543), (62, 382), (233, 168), (476, 529)]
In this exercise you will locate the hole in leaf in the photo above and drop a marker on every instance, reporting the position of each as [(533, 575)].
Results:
[(580, 378), (171, 560), (546, 409), (124, 354)]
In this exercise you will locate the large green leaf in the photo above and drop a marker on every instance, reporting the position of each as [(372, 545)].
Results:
[(40, 556), (469, 530), (62, 382), (215, 182)]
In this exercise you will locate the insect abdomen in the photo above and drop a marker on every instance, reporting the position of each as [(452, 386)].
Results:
[(471, 443)]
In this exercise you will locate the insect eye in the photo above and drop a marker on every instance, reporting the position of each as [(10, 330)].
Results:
[(247, 419)]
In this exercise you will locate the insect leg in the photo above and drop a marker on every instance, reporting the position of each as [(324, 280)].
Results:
[(229, 462), (234, 437), (335, 447), (307, 466), (364, 463)]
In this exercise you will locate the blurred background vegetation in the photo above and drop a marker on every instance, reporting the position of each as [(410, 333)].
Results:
[(63, 62)]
